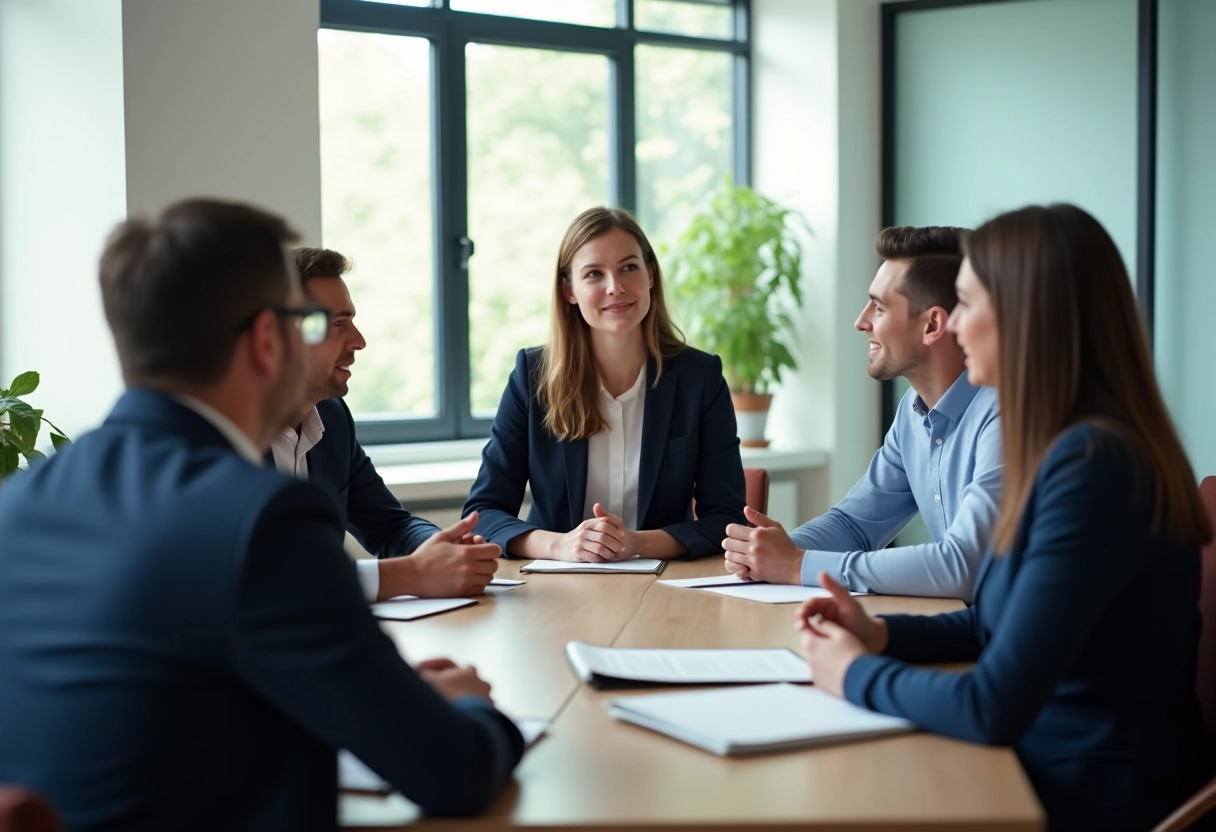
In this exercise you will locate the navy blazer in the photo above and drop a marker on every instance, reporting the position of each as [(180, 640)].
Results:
[(690, 449), (341, 468), (1084, 635), (184, 645)]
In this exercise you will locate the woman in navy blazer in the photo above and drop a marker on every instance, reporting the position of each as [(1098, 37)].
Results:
[(616, 424), (1085, 624)]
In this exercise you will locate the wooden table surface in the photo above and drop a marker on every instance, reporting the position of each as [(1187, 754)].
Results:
[(594, 772)]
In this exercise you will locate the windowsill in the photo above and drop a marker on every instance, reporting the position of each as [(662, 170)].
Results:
[(445, 471)]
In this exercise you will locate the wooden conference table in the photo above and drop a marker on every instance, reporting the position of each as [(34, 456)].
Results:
[(592, 771)]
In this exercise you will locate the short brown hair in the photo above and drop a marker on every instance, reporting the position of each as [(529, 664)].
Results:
[(319, 262), (177, 288), (568, 381), (935, 253)]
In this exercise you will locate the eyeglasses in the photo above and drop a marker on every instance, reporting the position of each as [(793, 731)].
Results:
[(312, 319)]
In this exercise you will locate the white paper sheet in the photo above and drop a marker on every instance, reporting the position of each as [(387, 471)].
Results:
[(501, 585), (771, 593), (643, 565), (712, 580), (409, 607), (767, 593), (685, 666)]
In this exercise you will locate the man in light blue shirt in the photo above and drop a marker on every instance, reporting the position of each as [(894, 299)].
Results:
[(941, 457)]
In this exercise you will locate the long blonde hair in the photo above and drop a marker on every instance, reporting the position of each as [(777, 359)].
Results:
[(568, 381), (1072, 349)]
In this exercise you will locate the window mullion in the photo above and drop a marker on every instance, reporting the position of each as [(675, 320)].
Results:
[(451, 224), (623, 127)]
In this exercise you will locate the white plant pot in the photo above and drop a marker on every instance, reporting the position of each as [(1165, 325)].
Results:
[(751, 415)]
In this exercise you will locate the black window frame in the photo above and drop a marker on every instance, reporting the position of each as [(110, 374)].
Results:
[(449, 31)]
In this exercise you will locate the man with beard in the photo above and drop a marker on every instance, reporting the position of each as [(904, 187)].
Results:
[(321, 447), (183, 641), (941, 456)]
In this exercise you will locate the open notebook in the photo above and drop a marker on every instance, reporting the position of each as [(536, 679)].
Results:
[(752, 720), (616, 666)]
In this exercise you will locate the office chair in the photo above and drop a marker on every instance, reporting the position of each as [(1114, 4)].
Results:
[(1204, 800), (755, 482)]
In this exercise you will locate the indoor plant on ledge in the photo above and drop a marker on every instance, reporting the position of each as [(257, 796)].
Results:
[(735, 276), (20, 423)]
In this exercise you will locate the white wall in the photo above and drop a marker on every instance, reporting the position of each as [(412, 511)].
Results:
[(110, 106), (61, 191), (221, 100), (816, 145)]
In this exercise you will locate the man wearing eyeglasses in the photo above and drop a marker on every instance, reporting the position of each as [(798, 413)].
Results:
[(183, 643), (322, 448)]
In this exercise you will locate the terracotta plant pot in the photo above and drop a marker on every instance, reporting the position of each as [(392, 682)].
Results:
[(751, 413)]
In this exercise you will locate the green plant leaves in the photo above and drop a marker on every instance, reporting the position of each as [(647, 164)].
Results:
[(19, 425), (22, 385), (735, 277), (23, 423), (10, 457)]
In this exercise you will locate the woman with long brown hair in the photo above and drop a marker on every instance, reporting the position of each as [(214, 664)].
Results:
[(1085, 624), (615, 423)]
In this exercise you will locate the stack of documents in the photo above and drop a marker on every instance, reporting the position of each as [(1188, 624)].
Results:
[(640, 566), (752, 720), (614, 666), (767, 593)]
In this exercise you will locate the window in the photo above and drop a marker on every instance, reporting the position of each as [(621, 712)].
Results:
[(458, 140)]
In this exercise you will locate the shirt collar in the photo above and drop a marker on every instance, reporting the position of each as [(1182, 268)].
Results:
[(954, 403), (236, 437), (638, 385), (311, 429)]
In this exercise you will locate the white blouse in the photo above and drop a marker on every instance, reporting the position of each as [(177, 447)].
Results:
[(614, 455)]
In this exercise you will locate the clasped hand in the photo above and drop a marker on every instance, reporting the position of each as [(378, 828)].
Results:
[(835, 631), (599, 539), (762, 551)]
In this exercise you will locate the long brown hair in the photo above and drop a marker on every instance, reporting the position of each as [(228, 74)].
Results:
[(568, 381), (1072, 349)]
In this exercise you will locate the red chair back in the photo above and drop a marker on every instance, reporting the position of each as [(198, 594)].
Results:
[(21, 810), (1205, 681), (755, 482)]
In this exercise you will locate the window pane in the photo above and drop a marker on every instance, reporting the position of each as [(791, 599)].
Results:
[(376, 209), (699, 19), (684, 133), (585, 12), (538, 155)]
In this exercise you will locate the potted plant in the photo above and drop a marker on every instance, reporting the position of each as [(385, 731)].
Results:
[(735, 278), (20, 423)]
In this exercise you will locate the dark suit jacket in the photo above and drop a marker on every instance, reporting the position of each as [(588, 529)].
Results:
[(184, 645), (340, 467), (690, 448), (1085, 637)]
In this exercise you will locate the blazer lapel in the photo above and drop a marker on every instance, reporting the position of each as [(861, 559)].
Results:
[(574, 455), (656, 421)]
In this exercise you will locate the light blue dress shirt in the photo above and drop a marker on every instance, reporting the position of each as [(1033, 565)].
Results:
[(946, 464)]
